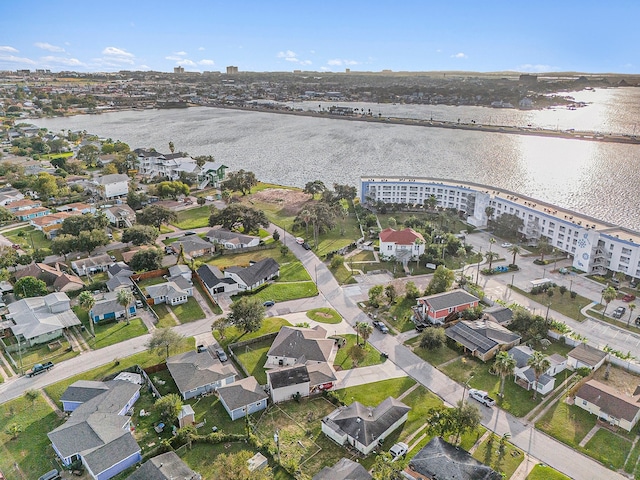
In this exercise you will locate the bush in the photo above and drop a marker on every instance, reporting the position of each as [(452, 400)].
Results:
[(432, 338), (336, 261)]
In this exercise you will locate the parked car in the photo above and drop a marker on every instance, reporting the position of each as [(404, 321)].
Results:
[(638, 320), (399, 449), (628, 298), (15, 246), (269, 303), (139, 304), (221, 355), (618, 312), (112, 257), (506, 245), (186, 234), (306, 246), (299, 240), (482, 397), (201, 348), (380, 326)]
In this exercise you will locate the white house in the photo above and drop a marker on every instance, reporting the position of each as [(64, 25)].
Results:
[(609, 404), (586, 356), (243, 397), (524, 375), (121, 215), (231, 240), (404, 245), (365, 428), (287, 383), (256, 274), (113, 185), (173, 292)]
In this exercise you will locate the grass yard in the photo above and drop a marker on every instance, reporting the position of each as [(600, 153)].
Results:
[(421, 400), (166, 229), (148, 282), (567, 423), (517, 400), (435, 357), (399, 315), (608, 448), (467, 441), (215, 308), (165, 319), (362, 256), (343, 275), (31, 450), (233, 335), (41, 354), (324, 315), (144, 359), (488, 452), (293, 272), (371, 394), (346, 232), (632, 460), (243, 258), (563, 304), (24, 237), (110, 333), (545, 472), (193, 218), (344, 362), (282, 291), (188, 312), (253, 357)]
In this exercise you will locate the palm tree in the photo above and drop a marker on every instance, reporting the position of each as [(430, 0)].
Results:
[(544, 247), (305, 216), (515, 250), (504, 365), (226, 196), (632, 307), (365, 330), (489, 212), (86, 301), (491, 242), (491, 256), (540, 364), (124, 297), (608, 295), (172, 148)]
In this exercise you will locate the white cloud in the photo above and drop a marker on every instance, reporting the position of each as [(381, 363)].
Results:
[(48, 46), (8, 49), (117, 53), (337, 62), (144, 67), (70, 62), (438, 51), (288, 55), (206, 62), (324, 69), (306, 62), (173, 58), (14, 59), (187, 62), (201, 49), (459, 55), (180, 54), (536, 68)]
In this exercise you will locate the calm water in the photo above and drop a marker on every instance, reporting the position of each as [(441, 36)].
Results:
[(601, 180)]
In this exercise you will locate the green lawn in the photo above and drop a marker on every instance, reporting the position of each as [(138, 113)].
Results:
[(507, 463), (215, 308), (188, 312), (371, 394), (31, 450), (193, 218), (399, 315), (166, 229), (148, 282), (110, 333), (144, 359), (253, 357), (293, 272), (343, 275), (324, 315), (421, 400), (233, 335), (545, 472), (435, 357), (281, 292), (567, 423), (344, 362), (41, 354), (563, 304), (243, 258), (362, 256), (608, 448), (165, 319), (632, 460), (517, 400), (24, 237)]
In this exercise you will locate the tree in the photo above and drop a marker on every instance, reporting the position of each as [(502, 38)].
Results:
[(431, 202), (247, 314), (375, 294), (169, 189), (28, 287), (136, 199), (156, 215), (364, 330), (539, 362), (124, 297), (140, 235), (109, 169), (432, 338), (8, 256), (146, 260), (489, 211), (632, 307), (317, 186), (608, 295), (345, 192), (515, 250), (220, 324), (491, 256), (63, 245), (385, 468), (356, 354), (241, 181), (6, 216), (172, 147), (276, 235), (201, 200), (168, 407), (13, 430), (504, 365), (163, 340), (45, 185), (441, 282), (88, 154), (238, 216), (234, 466), (76, 224), (87, 301), (508, 225), (466, 418), (90, 240), (390, 293), (411, 291), (336, 261), (322, 217), (544, 247)]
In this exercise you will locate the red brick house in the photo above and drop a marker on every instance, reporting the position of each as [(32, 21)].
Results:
[(442, 307)]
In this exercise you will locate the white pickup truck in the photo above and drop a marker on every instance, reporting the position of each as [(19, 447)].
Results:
[(482, 397)]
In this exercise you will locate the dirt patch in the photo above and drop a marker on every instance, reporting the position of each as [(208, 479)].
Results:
[(291, 201), (323, 315), (619, 379)]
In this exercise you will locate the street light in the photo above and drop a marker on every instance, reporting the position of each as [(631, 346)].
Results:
[(478, 272)]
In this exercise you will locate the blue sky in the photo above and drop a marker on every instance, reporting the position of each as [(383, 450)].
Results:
[(329, 35)]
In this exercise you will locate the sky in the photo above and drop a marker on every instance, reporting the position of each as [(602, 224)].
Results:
[(328, 35)]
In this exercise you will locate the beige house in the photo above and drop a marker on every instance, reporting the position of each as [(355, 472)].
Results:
[(609, 404)]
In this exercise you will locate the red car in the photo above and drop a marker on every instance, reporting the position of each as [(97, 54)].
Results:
[(628, 298)]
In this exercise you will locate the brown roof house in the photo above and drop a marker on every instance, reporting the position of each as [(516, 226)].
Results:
[(364, 428), (52, 276), (609, 404), (439, 460), (585, 356)]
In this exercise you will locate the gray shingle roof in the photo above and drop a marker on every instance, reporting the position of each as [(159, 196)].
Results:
[(610, 401), (320, 373), (192, 243), (261, 270), (112, 178), (191, 370), (441, 460), (111, 453), (83, 391), (167, 289), (168, 466), (366, 424), (107, 303), (445, 300), (345, 469), (210, 275), (242, 393), (284, 377), (308, 344), (587, 354), (229, 236), (118, 282)]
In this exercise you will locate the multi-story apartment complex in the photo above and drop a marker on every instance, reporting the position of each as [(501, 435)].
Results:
[(595, 246)]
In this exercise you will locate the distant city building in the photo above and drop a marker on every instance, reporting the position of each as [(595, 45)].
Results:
[(231, 70), (178, 69)]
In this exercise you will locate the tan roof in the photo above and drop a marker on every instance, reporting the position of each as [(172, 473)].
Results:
[(587, 354)]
